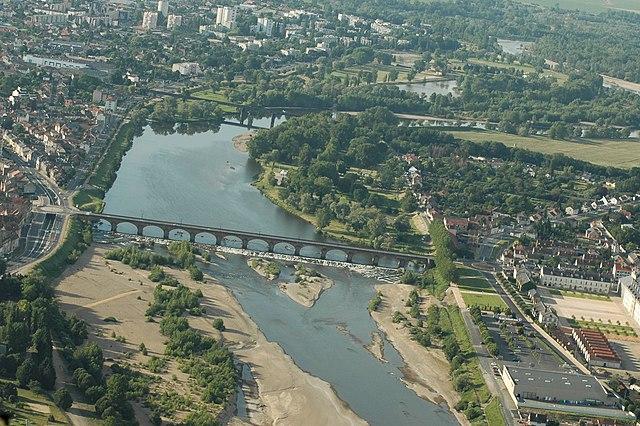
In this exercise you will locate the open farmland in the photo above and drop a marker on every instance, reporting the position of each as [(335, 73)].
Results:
[(605, 152)]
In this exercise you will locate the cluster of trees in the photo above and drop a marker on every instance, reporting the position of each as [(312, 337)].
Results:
[(174, 301), (109, 395), (169, 111), (208, 362), (29, 320), (182, 255), (487, 338), (445, 271)]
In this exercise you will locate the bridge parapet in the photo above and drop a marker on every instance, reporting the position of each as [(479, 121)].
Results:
[(221, 236)]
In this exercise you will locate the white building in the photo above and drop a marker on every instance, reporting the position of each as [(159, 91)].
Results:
[(149, 20), (52, 62), (186, 68), (163, 7), (630, 292), (578, 281), (226, 16), (174, 21), (265, 26)]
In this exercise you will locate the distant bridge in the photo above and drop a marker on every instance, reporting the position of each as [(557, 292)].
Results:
[(273, 243)]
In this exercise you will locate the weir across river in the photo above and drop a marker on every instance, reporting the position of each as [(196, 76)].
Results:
[(273, 243)]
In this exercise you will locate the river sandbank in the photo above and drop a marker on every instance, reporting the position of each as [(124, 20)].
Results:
[(95, 289), (308, 286), (427, 369), (240, 141)]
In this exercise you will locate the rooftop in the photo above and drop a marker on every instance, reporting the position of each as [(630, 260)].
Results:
[(558, 387)]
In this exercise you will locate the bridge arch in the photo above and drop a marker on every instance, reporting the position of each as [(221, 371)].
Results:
[(153, 231), (311, 251), (336, 254), (125, 227), (233, 241), (258, 244), (284, 247), (178, 234), (205, 238)]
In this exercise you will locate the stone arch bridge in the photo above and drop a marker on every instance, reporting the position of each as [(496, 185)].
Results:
[(269, 243)]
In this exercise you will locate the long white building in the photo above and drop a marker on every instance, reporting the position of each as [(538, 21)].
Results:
[(630, 292), (578, 281)]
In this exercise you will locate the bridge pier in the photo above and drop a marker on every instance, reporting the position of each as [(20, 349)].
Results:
[(350, 256), (323, 253), (402, 263), (273, 120), (296, 250), (375, 259)]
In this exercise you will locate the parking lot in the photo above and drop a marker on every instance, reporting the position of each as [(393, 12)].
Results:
[(517, 344)]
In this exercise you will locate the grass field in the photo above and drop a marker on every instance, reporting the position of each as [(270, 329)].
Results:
[(475, 284), (493, 413), (35, 409), (569, 293), (479, 393), (219, 96), (483, 301), (590, 5), (617, 153), (524, 68)]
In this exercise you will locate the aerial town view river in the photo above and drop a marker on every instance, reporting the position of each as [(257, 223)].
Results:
[(203, 179)]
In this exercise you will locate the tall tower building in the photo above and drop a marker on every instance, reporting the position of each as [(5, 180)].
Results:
[(163, 7), (149, 20), (174, 21), (226, 16)]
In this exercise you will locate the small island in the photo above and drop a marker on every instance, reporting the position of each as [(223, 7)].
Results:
[(308, 286), (264, 267)]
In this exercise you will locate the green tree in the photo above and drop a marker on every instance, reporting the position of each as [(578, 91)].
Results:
[(62, 398)]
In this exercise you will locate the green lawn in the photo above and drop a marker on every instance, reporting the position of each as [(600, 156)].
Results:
[(524, 68), (219, 96), (493, 413), (578, 294), (623, 153), (604, 327), (483, 301), (475, 284)]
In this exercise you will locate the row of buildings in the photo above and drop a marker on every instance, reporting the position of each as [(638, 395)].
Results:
[(16, 191)]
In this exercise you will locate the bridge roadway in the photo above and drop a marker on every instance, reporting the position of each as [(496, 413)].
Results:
[(245, 237)]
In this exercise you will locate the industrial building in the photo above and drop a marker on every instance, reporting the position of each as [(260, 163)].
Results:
[(571, 394)]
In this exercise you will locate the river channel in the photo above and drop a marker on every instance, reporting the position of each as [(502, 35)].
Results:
[(202, 179)]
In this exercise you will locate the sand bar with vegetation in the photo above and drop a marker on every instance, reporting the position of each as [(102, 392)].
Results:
[(95, 288), (427, 369)]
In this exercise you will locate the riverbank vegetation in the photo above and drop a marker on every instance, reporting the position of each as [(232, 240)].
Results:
[(182, 255), (104, 174), (30, 321), (441, 327)]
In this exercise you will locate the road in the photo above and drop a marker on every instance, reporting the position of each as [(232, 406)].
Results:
[(495, 384), (44, 230)]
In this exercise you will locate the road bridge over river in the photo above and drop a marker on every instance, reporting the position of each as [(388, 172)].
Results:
[(268, 243)]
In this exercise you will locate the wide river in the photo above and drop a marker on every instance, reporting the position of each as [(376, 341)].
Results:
[(202, 179)]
